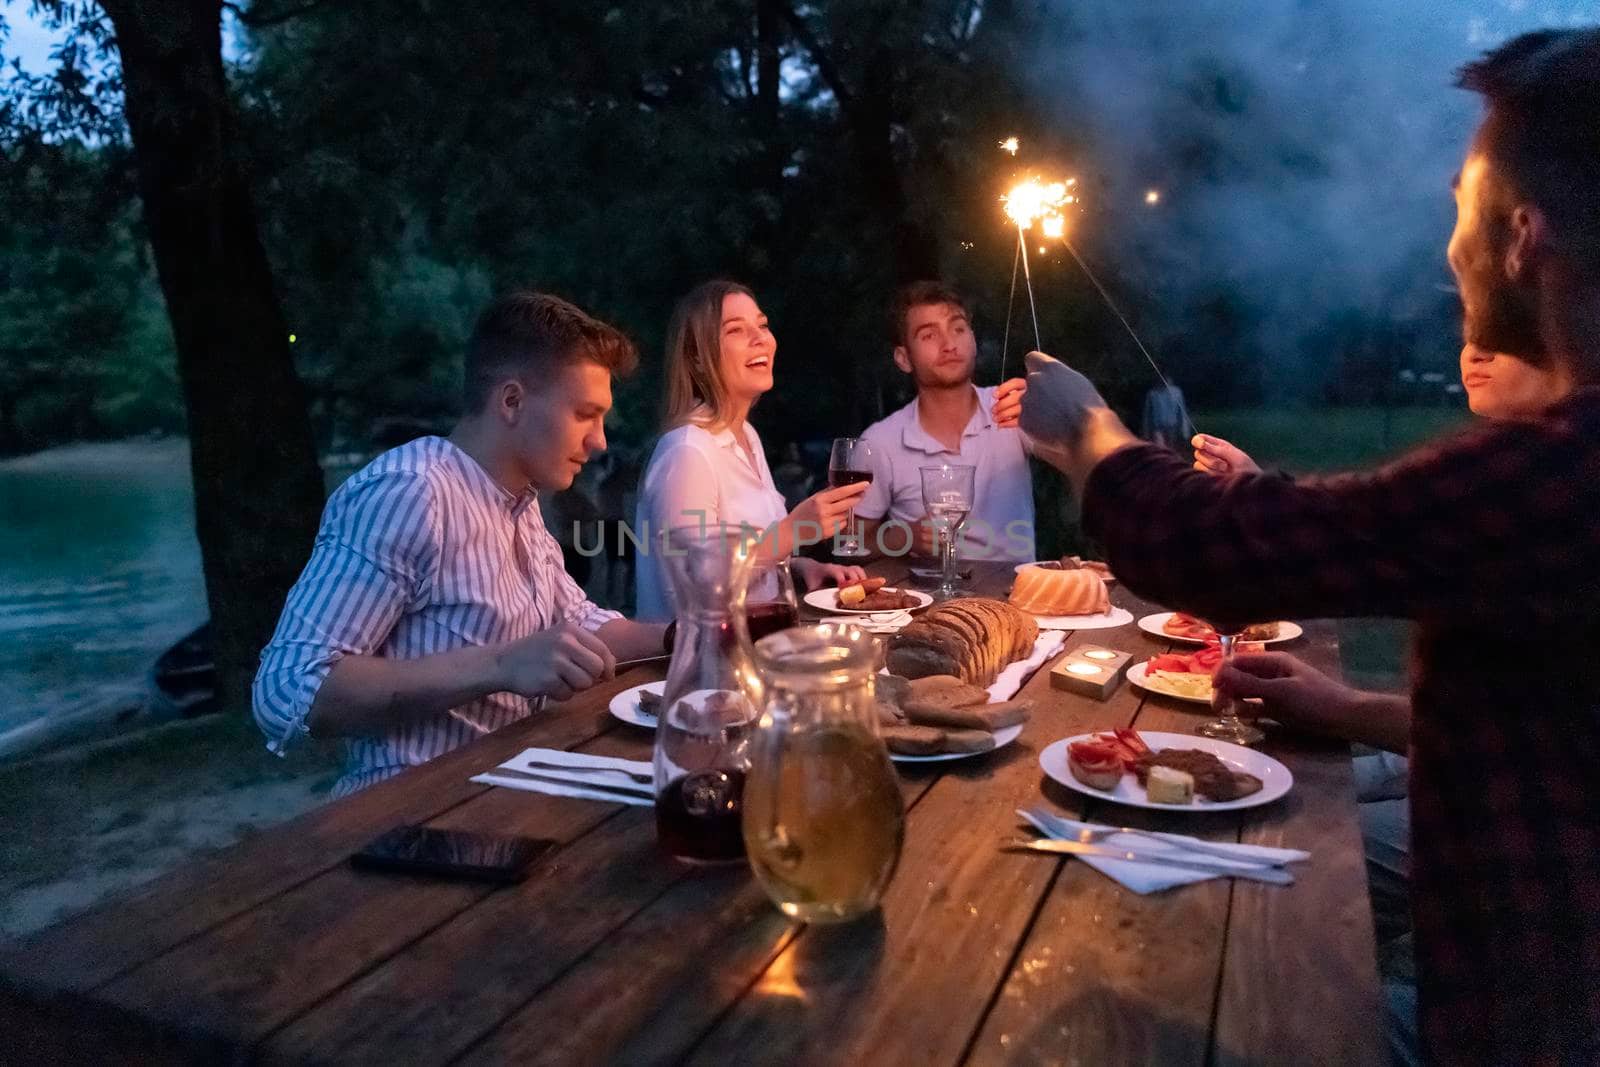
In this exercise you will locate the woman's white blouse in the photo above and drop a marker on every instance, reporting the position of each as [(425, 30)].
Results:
[(697, 476)]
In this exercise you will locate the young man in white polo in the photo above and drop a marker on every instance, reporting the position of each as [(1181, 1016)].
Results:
[(950, 421)]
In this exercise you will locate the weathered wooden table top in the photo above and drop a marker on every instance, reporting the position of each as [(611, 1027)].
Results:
[(610, 952)]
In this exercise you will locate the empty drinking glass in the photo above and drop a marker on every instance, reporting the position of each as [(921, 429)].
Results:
[(947, 492)]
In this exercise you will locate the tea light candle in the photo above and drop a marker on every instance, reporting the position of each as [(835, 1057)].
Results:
[(1092, 670)]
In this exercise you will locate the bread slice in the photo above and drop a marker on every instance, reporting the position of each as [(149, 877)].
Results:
[(947, 684), (989, 717), (952, 616), (918, 661), (941, 640), (968, 741), (995, 642), (970, 629), (938, 698), (912, 740), (891, 687)]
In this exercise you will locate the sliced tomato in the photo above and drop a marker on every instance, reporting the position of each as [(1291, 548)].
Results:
[(1131, 739), (1095, 754), (1171, 661)]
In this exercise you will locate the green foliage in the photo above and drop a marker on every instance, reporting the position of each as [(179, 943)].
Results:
[(412, 158), (85, 349)]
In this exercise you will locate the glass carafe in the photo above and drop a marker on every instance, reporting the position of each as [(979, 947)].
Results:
[(823, 818), (702, 736)]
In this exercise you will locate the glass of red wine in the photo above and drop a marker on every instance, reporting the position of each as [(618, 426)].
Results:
[(849, 463), (770, 602), (1228, 726)]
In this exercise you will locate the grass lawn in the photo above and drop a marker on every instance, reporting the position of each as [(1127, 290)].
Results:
[(1322, 440), (1313, 440)]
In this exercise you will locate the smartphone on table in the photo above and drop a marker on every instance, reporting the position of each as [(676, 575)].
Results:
[(452, 853)]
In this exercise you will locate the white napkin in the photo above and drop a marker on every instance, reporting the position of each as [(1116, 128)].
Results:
[(1147, 877), (888, 622), (522, 762), (1005, 687)]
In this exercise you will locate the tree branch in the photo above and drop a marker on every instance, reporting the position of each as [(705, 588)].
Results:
[(819, 56)]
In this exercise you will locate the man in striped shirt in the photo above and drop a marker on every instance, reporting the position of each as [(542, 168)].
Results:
[(435, 607)]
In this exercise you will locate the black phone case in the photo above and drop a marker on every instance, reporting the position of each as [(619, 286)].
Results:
[(521, 852)]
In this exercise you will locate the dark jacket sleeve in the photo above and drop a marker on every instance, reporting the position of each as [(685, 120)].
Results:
[(1498, 520)]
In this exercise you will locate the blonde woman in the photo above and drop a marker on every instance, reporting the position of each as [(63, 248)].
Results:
[(709, 466)]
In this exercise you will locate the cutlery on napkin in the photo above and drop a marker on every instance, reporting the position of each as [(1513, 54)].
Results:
[(575, 774), (1140, 877)]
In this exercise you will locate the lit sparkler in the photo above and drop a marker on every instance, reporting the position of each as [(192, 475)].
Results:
[(1011, 144), (1033, 202)]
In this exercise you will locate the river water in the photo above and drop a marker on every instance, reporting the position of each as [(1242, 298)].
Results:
[(99, 572)]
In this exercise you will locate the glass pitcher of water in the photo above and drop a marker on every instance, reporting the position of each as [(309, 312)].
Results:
[(823, 818)]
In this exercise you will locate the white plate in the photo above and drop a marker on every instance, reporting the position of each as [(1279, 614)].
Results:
[(828, 600), (625, 705), (1002, 738), (1138, 676), (1109, 579), (1105, 620), (1275, 777), (1152, 625)]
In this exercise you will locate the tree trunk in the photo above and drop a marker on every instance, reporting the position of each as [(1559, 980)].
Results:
[(916, 248), (257, 486)]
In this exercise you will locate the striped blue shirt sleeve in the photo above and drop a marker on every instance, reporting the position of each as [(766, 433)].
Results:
[(572, 605), (375, 556)]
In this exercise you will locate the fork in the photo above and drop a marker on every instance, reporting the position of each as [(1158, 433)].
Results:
[(1091, 835)]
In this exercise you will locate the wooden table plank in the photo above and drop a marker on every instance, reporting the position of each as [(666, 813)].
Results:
[(687, 957), (261, 970), (95, 947), (1274, 961), (1106, 975)]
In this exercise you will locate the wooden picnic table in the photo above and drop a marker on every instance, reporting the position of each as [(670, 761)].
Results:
[(276, 949)]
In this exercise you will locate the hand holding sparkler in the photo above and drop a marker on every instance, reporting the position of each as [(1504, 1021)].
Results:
[(1216, 456), (1008, 402), (1068, 422)]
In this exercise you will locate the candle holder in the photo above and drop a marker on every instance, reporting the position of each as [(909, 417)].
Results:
[(1091, 670)]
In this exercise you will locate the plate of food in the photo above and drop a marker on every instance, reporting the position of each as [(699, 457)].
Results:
[(1177, 626), (640, 705), (1190, 685), (1184, 675), (940, 717), (1072, 563), (1165, 771), (874, 596)]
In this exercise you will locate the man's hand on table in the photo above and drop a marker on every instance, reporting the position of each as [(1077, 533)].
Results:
[(555, 663)]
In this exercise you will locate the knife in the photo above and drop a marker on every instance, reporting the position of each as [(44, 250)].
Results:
[(513, 775), (1196, 864)]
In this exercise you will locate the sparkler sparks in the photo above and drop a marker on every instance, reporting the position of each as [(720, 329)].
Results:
[(1034, 201), (1010, 144)]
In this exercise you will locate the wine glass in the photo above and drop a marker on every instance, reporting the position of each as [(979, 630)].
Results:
[(947, 492), (1227, 726), (770, 603), (850, 462)]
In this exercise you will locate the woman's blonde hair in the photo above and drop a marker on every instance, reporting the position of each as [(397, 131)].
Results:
[(694, 354)]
